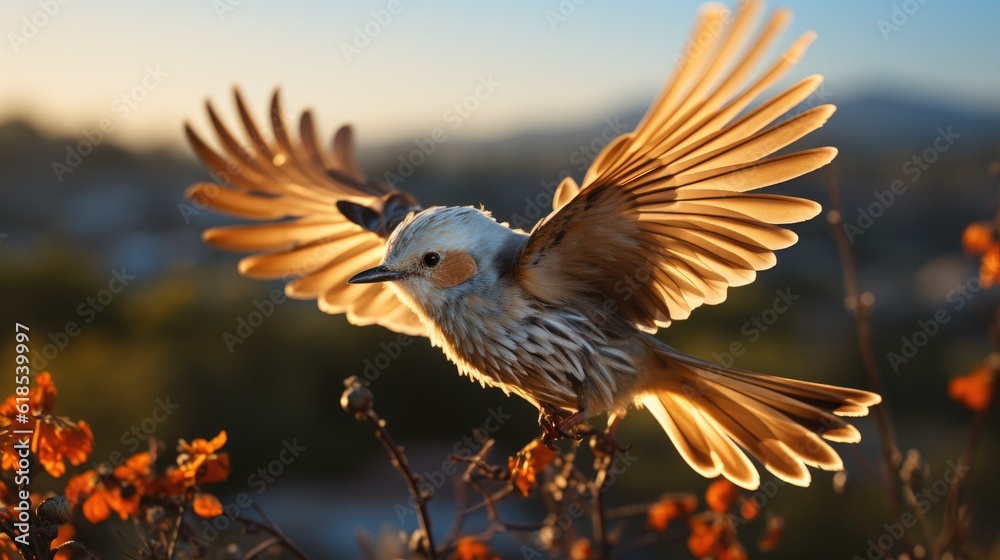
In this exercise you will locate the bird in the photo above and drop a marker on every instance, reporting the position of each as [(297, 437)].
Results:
[(666, 218)]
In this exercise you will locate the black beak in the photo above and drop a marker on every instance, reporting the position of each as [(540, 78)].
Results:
[(377, 274)]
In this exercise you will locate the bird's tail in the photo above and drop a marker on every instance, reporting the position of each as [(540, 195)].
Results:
[(715, 415)]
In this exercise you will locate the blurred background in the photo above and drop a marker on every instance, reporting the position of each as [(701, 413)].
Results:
[(94, 163)]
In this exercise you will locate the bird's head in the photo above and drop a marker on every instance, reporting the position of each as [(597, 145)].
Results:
[(437, 256)]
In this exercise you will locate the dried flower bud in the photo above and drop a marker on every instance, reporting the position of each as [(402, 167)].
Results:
[(54, 510), (52, 513), (357, 398)]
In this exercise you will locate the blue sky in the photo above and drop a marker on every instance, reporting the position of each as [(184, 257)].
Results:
[(603, 58)]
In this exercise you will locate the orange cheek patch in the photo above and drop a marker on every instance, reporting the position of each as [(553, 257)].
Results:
[(453, 270)]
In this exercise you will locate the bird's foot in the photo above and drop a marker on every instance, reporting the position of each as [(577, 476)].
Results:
[(556, 426), (606, 442)]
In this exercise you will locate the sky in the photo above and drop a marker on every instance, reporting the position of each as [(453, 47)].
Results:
[(397, 68)]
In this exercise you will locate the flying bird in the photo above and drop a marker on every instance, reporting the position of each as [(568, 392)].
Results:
[(667, 218)]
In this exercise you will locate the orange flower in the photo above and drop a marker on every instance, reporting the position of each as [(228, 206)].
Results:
[(207, 505), (135, 469), (118, 491), (772, 533), (215, 469), (975, 390), (469, 548), (80, 486), (733, 552), (122, 500), (749, 509), (7, 549), (198, 463), (581, 549), (196, 454), (977, 238), (720, 495), (55, 439), (704, 539), (529, 462), (989, 267), (122, 489), (173, 484), (65, 534), (202, 446), (661, 514)]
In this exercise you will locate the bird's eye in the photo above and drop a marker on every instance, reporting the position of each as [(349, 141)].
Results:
[(432, 259)]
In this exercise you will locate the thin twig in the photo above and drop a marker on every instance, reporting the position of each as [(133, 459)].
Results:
[(950, 533), (461, 502), (403, 466), (177, 532), (77, 545), (495, 497), (860, 307), (597, 512), (261, 547), (605, 448), (269, 526)]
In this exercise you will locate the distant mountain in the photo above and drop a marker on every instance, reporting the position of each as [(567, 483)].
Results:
[(879, 121), (118, 203)]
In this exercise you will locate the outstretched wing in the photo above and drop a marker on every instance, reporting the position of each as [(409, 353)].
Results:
[(665, 220), (324, 221)]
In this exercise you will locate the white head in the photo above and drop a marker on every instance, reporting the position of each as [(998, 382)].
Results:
[(437, 256)]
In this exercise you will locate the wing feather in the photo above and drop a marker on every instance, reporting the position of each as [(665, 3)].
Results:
[(668, 208), (297, 189)]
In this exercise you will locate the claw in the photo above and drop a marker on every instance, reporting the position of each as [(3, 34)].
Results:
[(556, 426), (607, 441)]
